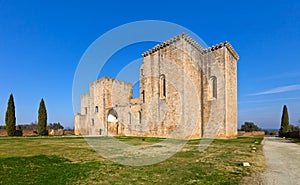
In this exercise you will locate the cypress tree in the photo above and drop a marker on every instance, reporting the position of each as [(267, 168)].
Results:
[(284, 128), (42, 119), (10, 117)]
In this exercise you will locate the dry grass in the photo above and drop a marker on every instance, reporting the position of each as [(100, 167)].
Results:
[(72, 161)]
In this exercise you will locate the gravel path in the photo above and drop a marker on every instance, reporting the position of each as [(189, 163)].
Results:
[(282, 162)]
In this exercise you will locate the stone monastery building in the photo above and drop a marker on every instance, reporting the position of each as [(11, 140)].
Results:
[(186, 92)]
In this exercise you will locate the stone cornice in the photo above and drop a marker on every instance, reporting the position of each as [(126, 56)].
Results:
[(221, 45), (171, 41), (232, 51), (193, 43)]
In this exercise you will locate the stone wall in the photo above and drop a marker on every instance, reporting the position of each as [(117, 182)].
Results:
[(249, 134), (24, 133), (105, 94), (3, 132), (186, 92)]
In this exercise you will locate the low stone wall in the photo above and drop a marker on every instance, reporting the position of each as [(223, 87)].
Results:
[(28, 133), (58, 132), (3, 132), (24, 133), (248, 134), (68, 132)]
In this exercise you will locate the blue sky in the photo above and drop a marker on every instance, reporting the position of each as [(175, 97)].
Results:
[(41, 43)]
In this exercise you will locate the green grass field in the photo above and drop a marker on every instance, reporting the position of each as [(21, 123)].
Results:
[(67, 160)]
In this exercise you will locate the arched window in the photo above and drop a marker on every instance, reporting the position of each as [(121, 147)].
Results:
[(96, 109), (129, 118), (213, 87), (140, 117), (143, 96), (93, 122), (162, 86), (129, 121)]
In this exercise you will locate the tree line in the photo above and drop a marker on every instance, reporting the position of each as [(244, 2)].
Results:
[(10, 118), (33, 126), (285, 127)]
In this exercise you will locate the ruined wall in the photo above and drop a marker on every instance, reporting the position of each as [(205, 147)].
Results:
[(214, 106), (222, 66), (105, 94), (81, 126), (116, 95), (231, 91), (199, 99), (172, 116)]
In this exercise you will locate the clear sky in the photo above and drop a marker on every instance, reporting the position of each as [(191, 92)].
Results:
[(41, 43)]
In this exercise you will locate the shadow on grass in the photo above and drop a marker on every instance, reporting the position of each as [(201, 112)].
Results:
[(42, 169)]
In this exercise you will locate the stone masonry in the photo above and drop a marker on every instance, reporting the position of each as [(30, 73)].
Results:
[(186, 92)]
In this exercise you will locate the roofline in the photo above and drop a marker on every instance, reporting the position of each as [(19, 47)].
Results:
[(188, 39)]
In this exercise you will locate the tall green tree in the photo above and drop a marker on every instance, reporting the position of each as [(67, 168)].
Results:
[(42, 119), (250, 127), (10, 117), (285, 125)]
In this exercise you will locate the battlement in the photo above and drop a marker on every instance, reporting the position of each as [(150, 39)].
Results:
[(221, 45), (107, 79), (193, 43), (171, 41)]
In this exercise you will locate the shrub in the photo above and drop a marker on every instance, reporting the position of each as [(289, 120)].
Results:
[(250, 127)]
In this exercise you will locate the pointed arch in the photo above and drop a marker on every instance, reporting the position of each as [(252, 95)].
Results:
[(213, 87), (112, 116), (143, 96), (140, 116), (129, 118), (162, 86)]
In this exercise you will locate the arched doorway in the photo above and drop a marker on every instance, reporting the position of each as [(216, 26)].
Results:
[(112, 122)]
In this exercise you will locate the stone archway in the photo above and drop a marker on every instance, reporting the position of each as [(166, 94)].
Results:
[(112, 122)]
